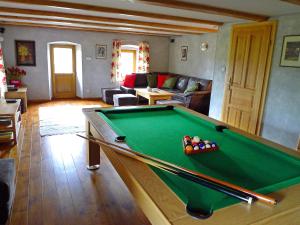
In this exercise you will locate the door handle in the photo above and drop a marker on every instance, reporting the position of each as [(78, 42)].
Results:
[(229, 83)]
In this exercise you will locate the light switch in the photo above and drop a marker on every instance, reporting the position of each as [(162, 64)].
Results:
[(223, 69), (88, 58)]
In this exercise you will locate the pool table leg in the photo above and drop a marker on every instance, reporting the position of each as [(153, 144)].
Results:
[(93, 151)]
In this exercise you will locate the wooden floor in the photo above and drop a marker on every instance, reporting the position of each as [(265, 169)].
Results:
[(54, 187)]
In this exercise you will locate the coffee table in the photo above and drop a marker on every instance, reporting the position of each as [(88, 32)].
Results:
[(154, 95)]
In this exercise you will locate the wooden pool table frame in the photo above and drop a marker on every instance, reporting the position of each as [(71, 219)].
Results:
[(162, 206)]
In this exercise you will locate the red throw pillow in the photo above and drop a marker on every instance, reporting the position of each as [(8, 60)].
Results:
[(129, 80), (161, 80)]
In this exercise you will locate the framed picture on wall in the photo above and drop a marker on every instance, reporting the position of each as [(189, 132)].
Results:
[(290, 55), (101, 51), (25, 53), (184, 52)]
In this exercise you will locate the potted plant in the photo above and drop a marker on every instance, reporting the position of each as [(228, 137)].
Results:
[(14, 75)]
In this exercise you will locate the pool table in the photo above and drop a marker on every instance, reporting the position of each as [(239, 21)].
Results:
[(242, 159)]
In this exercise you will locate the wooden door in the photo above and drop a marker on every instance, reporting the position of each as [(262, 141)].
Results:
[(248, 73), (63, 69)]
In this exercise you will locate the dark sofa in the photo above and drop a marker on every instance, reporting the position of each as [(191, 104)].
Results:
[(198, 100), (7, 188)]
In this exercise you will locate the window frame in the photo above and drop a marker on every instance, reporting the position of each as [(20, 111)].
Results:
[(134, 52)]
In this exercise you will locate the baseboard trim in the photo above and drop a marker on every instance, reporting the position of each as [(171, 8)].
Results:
[(39, 100), (63, 99)]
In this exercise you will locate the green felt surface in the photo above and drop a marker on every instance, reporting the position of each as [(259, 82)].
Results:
[(239, 160)]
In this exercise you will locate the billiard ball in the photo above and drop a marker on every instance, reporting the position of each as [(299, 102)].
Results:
[(188, 138), (196, 147), (196, 139), (189, 148), (207, 146), (202, 146)]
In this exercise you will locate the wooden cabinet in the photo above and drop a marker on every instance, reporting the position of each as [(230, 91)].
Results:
[(21, 93), (10, 120)]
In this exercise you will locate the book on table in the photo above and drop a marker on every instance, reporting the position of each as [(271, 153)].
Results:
[(6, 136), (5, 122)]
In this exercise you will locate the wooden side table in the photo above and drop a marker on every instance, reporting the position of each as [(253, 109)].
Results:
[(21, 93), (10, 116)]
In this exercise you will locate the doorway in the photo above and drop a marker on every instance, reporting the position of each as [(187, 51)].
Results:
[(63, 70), (248, 74)]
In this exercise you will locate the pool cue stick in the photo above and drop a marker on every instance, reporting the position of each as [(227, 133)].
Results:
[(231, 192), (251, 195)]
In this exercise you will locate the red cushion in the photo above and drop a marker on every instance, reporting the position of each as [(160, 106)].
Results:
[(129, 80), (161, 80)]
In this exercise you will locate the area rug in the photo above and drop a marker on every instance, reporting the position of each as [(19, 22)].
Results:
[(62, 119)]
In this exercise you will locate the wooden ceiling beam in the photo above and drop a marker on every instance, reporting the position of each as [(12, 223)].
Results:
[(85, 7), (26, 24), (31, 12), (204, 9), (76, 22), (295, 2)]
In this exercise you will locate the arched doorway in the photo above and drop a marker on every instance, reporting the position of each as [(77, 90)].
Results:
[(65, 69)]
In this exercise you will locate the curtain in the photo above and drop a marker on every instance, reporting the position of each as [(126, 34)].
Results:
[(2, 74), (143, 58), (116, 61)]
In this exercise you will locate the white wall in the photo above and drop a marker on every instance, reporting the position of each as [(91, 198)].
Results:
[(95, 72), (281, 121), (199, 63)]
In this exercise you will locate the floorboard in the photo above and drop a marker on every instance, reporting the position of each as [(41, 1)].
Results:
[(53, 186)]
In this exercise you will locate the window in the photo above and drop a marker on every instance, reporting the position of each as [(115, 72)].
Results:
[(63, 60), (128, 62)]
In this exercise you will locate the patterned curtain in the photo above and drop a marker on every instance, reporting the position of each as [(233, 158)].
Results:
[(116, 61), (144, 58), (2, 75)]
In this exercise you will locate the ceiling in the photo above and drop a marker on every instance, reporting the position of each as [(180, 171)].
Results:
[(151, 17)]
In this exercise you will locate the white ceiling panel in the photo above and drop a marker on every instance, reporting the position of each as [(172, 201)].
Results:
[(263, 7), (2, 19), (125, 5), (267, 8)]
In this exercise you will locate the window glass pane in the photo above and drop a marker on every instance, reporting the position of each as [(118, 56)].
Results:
[(63, 60), (127, 63)]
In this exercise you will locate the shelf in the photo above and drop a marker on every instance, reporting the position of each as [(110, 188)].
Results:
[(6, 137), (10, 121), (8, 124)]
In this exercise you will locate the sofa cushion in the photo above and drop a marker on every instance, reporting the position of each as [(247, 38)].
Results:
[(181, 83), (152, 80), (170, 82), (192, 81), (161, 79), (129, 80), (192, 87), (141, 80)]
